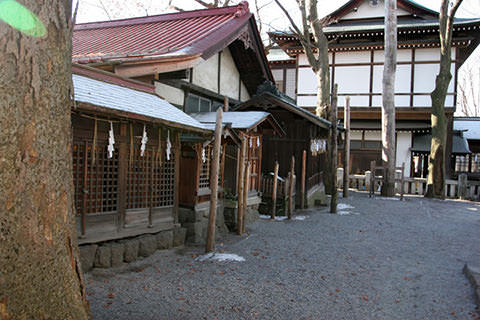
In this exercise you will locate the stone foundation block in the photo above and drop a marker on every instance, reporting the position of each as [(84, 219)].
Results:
[(148, 245), (118, 251), (179, 236), (87, 256), (131, 250), (103, 257), (165, 240)]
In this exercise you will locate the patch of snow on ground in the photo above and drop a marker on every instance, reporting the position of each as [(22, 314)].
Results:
[(301, 218), (343, 206), (281, 218), (387, 198), (221, 257)]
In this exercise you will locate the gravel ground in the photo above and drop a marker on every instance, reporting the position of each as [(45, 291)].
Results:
[(381, 259)]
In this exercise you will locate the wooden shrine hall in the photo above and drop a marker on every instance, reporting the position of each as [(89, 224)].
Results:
[(126, 156)]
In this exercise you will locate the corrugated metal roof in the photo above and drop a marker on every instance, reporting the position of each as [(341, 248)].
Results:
[(422, 143), (117, 97), (176, 34), (471, 125), (238, 120)]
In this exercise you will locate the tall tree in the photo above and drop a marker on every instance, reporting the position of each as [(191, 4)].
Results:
[(388, 96), (436, 164), (40, 275), (315, 45)]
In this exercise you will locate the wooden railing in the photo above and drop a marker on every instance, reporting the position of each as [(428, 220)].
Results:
[(314, 180), (454, 189)]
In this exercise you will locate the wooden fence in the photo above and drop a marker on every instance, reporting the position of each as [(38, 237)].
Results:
[(454, 189)]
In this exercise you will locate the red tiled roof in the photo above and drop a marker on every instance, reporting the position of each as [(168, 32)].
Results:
[(175, 35)]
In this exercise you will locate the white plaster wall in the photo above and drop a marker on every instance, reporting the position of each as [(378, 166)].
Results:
[(425, 75), (291, 83), (355, 79), (402, 78), (307, 101), (373, 135), (355, 135), (352, 57), (229, 75), (404, 143), (171, 94), (307, 81), (355, 101), (366, 11), (303, 61), (402, 55), (205, 74), (277, 74), (244, 96)]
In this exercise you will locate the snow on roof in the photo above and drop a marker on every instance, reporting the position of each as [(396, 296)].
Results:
[(239, 120), (117, 97), (471, 125)]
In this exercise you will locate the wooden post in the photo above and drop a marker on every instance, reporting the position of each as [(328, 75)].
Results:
[(402, 181), (274, 190), (290, 188), (304, 168), (245, 195), (334, 198), (346, 149), (85, 189), (177, 153), (123, 168), (214, 183), (371, 192), (241, 178), (225, 104)]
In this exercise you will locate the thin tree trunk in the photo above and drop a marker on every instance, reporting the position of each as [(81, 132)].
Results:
[(40, 275), (388, 108), (346, 149)]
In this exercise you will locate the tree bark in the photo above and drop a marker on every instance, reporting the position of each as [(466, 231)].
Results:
[(40, 275), (333, 145), (388, 96), (436, 163)]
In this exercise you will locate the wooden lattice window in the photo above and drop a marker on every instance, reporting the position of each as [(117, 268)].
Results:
[(150, 183), (95, 184), (205, 169), (254, 154)]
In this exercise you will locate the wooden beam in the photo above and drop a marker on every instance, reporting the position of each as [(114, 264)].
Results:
[(214, 183), (241, 185), (245, 194)]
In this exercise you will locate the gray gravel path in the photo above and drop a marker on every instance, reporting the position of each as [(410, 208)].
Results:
[(388, 260)]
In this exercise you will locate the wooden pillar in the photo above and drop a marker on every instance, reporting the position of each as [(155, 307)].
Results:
[(225, 104), (304, 168), (245, 195), (241, 185), (274, 190), (333, 200), (177, 154), (85, 189), (214, 183), (346, 149), (290, 188), (123, 156)]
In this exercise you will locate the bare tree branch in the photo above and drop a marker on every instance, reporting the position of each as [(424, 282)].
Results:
[(105, 10)]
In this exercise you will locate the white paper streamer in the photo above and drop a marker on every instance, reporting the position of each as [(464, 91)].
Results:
[(111, 141), (258, 142), (250, 142), (169, 146), (144, 142), (204, 156)]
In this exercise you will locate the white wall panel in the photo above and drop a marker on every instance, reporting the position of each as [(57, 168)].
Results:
[(427, 54), (355, 101), (291, 83), (403, 55), (373, 135), (229, 76), (353, 79), (404, 143), (356, 135), (402, 101), (352, 57), (422, 101), (425, 75), (367, 11), (303, 61), (277, 74), (307, 81), (205, 74), (307, 101), (402, 79)]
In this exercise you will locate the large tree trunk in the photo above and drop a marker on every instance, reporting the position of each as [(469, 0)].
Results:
[(436, 164), (40, 276), (388, 95)]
